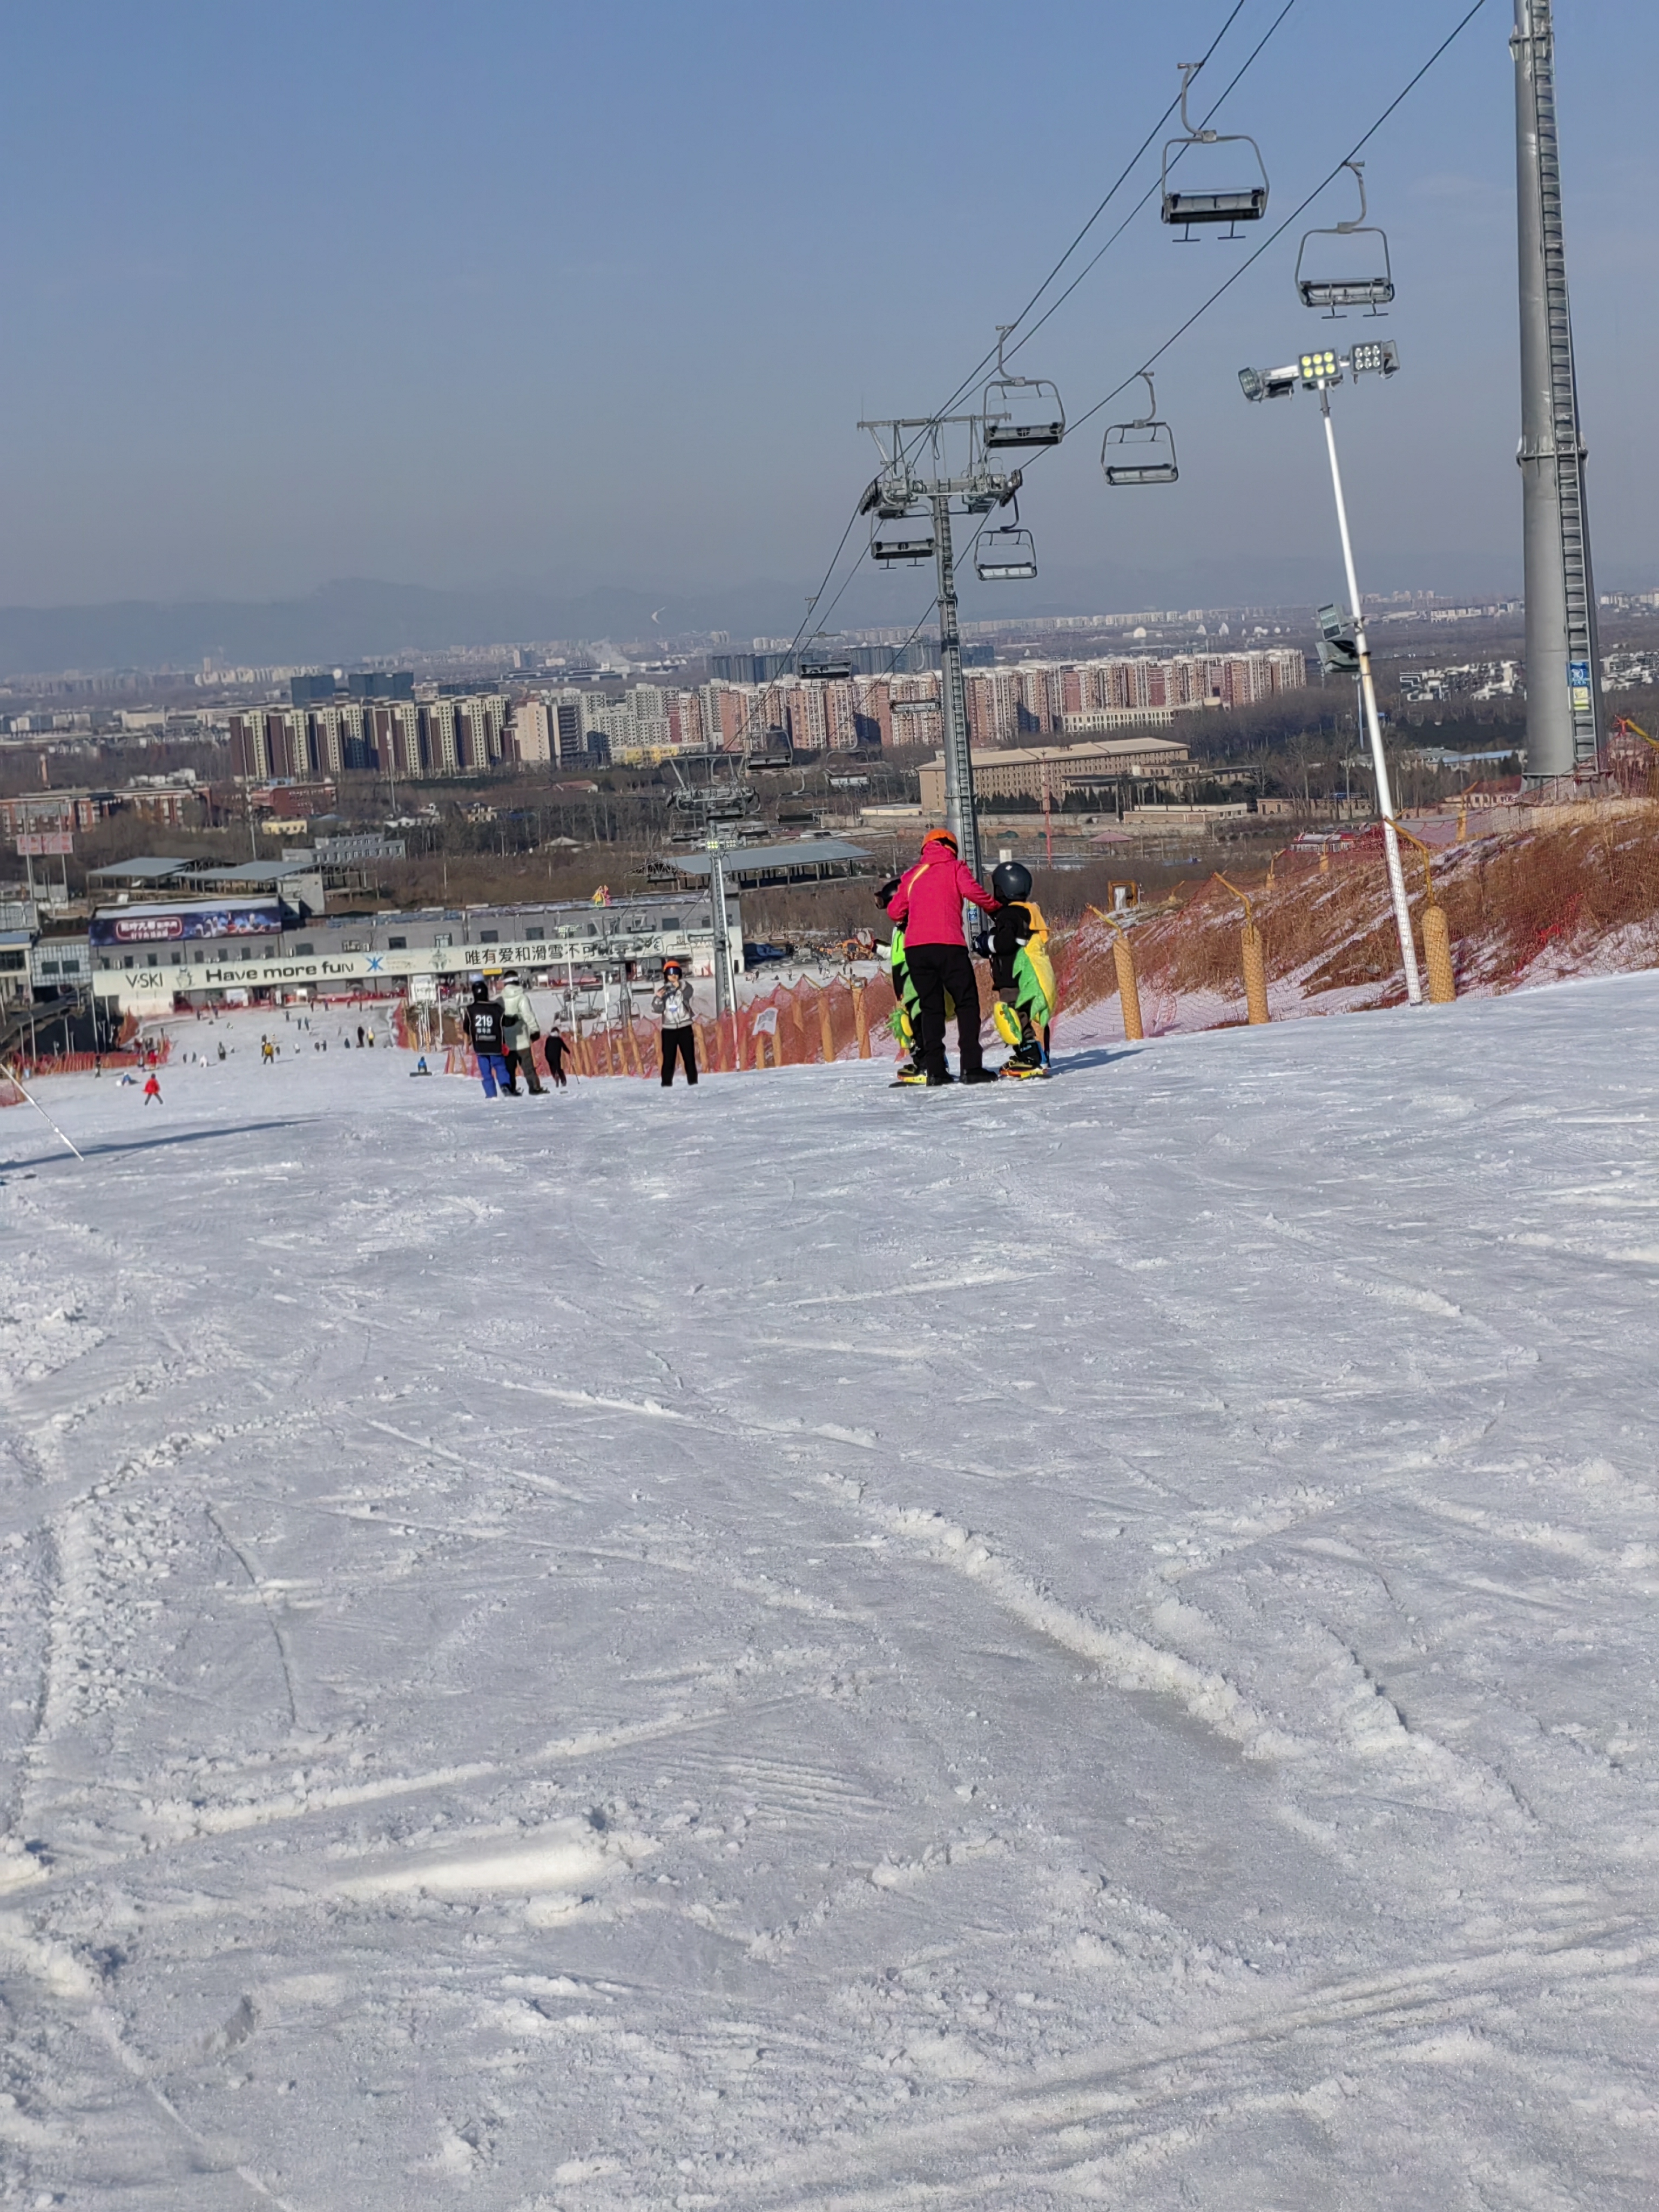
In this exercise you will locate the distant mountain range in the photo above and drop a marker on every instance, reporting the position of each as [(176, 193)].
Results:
[(344, 623)]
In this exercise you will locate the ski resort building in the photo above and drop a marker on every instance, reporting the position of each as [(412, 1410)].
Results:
[(161, 956), (1027, 771)]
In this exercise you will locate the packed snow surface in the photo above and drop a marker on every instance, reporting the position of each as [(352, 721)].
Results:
[(814, 1645)]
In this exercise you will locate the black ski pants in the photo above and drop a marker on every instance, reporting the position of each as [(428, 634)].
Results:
[(681, 1044), (521, 1062), (934, 971)]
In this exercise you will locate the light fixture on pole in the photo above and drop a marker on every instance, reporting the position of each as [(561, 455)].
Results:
[(1318, 371)]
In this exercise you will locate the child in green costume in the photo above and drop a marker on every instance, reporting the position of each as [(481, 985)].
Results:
[(1021, 971), (902, 1021)]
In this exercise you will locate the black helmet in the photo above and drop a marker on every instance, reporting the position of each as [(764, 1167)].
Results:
[(480, 988), (1012, 881), (888, 892)]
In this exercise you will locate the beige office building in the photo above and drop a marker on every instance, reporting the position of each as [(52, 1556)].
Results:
[(1025, 771)]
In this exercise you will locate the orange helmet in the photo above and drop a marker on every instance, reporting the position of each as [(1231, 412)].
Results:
[(940, 837)]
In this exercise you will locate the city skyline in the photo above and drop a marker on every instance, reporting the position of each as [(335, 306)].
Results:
[(598, 354)]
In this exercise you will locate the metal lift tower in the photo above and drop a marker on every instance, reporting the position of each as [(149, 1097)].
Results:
[(1564, 685), (904, 488)]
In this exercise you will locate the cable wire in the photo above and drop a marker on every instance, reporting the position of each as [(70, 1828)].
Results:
[(1398, 100), (1198, 313), (1055, 305), (1295, 215)]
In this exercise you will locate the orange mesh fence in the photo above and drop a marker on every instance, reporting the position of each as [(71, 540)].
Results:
[(796, 1025), (86, 1063), (1574, 896), (80, 1063)]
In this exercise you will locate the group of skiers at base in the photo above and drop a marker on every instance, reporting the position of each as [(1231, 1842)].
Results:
[(932, 976), (934, 973), (502, 1032)]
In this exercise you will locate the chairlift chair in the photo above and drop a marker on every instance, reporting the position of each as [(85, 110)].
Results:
[(1005, 557), (1355, 286), (1019, 411), (903, 540), (1245, 201), (1142, 452)]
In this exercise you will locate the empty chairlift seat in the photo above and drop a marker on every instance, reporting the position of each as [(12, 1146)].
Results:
[(902, 539), (1019, 411), (1005, 557), (1347, 266), (1142, 452), (1207, 176)]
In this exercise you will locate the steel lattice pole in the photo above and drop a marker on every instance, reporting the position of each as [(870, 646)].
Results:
[(959, 811), (1563, 689)]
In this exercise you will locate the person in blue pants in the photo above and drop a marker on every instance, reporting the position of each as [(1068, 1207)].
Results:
[(486, 1028)]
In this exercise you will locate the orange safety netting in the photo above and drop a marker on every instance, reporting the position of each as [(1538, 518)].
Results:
[(81, 1063), (1576, 894), (811, 1023)]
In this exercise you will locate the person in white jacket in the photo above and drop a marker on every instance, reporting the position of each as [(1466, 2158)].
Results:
[(522, 1030), (671, 1001)]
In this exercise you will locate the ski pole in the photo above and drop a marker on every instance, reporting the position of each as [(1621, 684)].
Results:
[(12, 1076)]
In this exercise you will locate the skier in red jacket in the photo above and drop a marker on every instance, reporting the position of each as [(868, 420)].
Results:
[(928, 904)]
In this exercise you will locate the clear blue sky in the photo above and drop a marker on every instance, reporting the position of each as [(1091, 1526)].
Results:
[(460, 292)]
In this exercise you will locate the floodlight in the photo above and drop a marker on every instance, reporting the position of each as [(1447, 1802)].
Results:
[(1378, 357), (1332, 620), (1321, 367), (1267, 383)]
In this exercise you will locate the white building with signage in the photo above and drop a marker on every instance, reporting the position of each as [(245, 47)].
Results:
[(152, 957)]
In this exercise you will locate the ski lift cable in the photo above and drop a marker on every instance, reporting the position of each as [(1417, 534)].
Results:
[(1100, 405), (1209, 114), (1116, 186), (1296, 213), (813, 618), (972, 379), (810, 620), (1294, 216), (1153, 189)]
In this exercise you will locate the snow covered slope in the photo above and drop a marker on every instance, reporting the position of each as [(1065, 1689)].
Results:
[(807, 1645)]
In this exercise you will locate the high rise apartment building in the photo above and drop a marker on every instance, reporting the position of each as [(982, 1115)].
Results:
[(435, 737), (575, 725)]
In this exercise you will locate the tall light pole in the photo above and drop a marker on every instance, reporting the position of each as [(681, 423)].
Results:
[(903, 488), (1318, 372), (1564, 671)]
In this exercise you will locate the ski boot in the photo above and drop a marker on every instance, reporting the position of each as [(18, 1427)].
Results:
[(1029, 1061)]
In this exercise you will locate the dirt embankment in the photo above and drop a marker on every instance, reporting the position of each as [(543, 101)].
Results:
[(1575, 896)]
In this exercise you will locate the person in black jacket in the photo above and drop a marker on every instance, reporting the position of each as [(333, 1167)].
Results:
[(486, 1029)]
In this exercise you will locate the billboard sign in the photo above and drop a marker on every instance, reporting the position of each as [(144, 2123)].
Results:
[(164, 925), (37, 843), (1578, 685)]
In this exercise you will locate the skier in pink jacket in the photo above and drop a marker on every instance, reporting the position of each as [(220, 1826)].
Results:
[(927, 907)]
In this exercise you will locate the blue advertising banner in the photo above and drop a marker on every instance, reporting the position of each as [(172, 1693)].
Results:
[(173, 925)]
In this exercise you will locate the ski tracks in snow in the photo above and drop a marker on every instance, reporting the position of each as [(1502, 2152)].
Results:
[(1053, 1651)]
